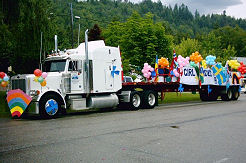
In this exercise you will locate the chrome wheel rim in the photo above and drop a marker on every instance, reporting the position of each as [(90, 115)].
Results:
[(229, 94), (151, 99), (51, 107), (136, 100)]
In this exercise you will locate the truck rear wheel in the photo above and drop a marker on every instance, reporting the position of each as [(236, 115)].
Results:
[(150, 99), (235, 94), (49, 106), (204, 96), (135, 100), (227, 96)]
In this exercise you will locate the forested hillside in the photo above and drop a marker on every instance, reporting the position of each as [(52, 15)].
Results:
[(142, 30)]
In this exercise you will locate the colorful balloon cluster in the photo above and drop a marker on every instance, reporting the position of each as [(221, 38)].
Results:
[(233, 64), (147, 69), (210, 60), (182, 61), (40, 77), (4, 79), (163, 62), (196, 57), (242, 68)]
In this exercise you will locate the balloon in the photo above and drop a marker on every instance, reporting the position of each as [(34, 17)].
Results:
[(242, 68), (176, 72), (43, 83), (6, 78), (2, 74), (40, 79), (36, 79), (233, 64), (44, 75), (196, 57), (204, 64), (183, 61), (210, 60), (163, 62), (4, 83), (147, 69), (37, 72)]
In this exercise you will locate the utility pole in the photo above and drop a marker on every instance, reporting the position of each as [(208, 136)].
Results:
[(40, 55), (71, 10)]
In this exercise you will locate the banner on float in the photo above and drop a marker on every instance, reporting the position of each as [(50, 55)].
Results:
[(209, 78), (189, 76)]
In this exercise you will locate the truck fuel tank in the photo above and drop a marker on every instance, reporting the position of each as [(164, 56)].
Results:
[(103, 101)]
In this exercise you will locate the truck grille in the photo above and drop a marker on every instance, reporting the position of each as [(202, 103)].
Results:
[(19, 84)]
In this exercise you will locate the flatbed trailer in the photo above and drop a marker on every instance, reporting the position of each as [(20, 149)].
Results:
[(146, 94)]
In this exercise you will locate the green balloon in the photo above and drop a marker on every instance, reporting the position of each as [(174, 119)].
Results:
[(40, 79)]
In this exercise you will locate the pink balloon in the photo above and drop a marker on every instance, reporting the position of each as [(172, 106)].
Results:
[(145, 75), (146, 64), (176, 72), (44, 75), (152, 69)]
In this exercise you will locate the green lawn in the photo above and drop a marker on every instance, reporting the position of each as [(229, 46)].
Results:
[(4, 110), (171, 97)]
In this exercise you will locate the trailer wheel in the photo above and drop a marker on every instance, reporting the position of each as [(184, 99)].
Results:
[(49, 106), (227, 96), (135, 100), (235, 94), (204, 96), (150, 99)]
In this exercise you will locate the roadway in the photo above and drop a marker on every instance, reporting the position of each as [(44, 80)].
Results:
[(188, 132)]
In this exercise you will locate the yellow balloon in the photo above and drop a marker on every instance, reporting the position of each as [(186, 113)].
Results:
[(204, 64), (36, 79)]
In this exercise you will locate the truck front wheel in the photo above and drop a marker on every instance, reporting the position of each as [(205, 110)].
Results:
[(49, 106)]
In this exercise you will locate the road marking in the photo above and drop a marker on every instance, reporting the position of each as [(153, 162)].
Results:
[(222, 160)]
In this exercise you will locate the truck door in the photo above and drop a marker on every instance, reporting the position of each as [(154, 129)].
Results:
[(76, 77), (108, 77)]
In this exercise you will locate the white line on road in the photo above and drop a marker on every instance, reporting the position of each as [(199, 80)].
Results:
[(222, 160)]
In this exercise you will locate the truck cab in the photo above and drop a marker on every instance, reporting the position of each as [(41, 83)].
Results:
[(75, 81)]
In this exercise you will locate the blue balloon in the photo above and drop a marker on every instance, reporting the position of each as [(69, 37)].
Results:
[(6, 78)]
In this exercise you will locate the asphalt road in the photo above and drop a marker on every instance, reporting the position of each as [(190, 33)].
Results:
[(194, 132)]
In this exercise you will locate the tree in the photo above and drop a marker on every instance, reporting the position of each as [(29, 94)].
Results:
[(95, 33), (140, 39), (187, 47)]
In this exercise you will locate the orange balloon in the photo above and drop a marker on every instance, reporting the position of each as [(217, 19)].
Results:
[(43, 83), (4, 83)]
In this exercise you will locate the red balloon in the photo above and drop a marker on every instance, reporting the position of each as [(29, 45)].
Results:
[(241, 63), (2, 74), (37, 72)]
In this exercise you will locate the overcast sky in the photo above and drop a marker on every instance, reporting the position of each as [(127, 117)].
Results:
[(236, 8)]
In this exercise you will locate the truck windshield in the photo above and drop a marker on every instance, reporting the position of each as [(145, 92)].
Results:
[(54, 66)]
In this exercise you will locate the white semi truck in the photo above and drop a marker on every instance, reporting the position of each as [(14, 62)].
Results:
[(90, 76)]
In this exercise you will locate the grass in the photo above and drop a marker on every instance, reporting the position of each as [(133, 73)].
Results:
[(4, 110), (172, 97)]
